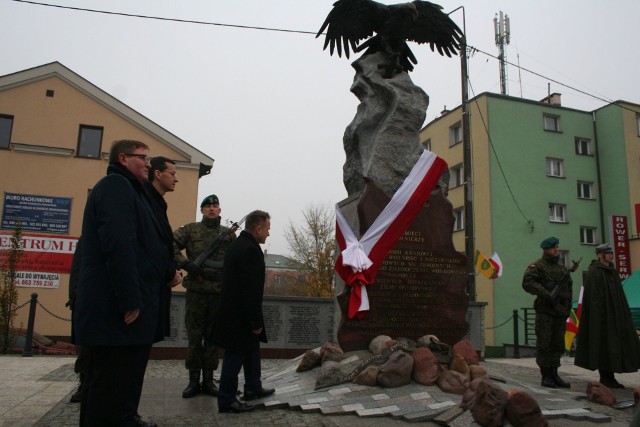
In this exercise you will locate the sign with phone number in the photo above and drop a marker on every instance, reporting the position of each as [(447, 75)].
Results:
[(33, 279)]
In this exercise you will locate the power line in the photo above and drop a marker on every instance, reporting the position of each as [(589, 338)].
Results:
[(158, 18), (486, 129), (284, 30), (608, 101)]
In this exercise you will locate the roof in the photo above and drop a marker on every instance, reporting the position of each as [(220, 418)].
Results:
[(56, 69), (281, 261)]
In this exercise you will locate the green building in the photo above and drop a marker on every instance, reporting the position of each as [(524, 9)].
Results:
[(539, 169)]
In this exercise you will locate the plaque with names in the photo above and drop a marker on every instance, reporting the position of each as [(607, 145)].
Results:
[(420, 289)]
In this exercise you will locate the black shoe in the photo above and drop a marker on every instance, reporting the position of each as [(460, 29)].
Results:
[(76, 397), (559, 381), (258, 394), (192, 390), (611, 383), (208, 385), (235, 408), (548, 382), (141, 423)]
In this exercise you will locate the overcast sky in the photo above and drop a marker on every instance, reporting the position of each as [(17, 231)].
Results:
[(271, 107)]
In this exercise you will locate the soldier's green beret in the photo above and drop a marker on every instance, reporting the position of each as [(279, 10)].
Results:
[(549, 242), (210, 200), (604, 249)]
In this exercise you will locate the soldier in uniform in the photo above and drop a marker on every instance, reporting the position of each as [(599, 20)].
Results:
[(551, 313), (203, 285)]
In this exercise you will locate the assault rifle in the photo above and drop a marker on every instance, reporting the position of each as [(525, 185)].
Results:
[(200, 260), (558, 287)]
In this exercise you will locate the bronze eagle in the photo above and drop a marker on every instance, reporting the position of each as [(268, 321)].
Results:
[(351, 21)]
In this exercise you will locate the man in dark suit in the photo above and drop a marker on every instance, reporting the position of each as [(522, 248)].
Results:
[(240, 326), (123, 270), (163, 177)]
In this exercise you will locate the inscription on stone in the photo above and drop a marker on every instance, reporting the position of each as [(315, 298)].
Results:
[(421, 286), (272, 321), (291, 322)]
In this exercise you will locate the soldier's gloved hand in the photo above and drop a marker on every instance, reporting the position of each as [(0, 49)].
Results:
[(548, 298), (193, 270)]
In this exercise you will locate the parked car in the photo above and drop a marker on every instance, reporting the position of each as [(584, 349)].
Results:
[(40, 344)]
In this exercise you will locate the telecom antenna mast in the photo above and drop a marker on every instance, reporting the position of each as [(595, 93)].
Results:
[(502, 30)]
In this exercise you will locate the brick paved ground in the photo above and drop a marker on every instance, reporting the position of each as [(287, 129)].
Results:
[(302, 406)]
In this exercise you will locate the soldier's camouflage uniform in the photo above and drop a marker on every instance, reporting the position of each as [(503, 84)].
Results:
[(201, 305), (539, 279)]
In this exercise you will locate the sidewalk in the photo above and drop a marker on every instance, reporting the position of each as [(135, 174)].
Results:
[(34, 391)]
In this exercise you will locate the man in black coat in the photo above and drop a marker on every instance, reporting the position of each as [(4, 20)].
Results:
[(123, 270), (240, 326), (163, 177), (607, 339)]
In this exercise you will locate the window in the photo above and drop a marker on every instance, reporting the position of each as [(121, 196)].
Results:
[(552, 123), (90, 141), (584, 147), (6, 125), (277, 279), (455, 134), (456, 178), (557, 213), (427, 144), (585, 190), (588, 235), (555, 167), (458, 214)]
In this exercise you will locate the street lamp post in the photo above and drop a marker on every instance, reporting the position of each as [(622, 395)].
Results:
[(469, 238)]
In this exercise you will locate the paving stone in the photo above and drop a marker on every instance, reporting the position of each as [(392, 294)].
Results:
[(352, 407), (595, 418)]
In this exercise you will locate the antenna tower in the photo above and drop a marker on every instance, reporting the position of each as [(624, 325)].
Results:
[(502, 30)]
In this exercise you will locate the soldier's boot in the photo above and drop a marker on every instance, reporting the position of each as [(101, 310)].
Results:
[(547, 378), (608, 379), (559, 381), (77, 396), (194, 384), (208, 386)]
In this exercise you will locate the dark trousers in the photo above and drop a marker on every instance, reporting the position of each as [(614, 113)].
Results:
[(114, 381), (550, 332), (232, 362)]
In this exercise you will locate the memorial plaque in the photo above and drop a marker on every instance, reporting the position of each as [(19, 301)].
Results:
[(420, 288), (290, 322)]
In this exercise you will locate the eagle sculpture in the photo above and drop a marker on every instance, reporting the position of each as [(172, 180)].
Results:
[(351, 21)]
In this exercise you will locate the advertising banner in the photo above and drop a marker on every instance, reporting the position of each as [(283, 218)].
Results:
[(619, 229), (41, 253), (46, 214), (32, 279)]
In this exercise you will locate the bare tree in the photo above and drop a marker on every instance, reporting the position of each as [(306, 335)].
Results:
[(313, 244), (8, 291)]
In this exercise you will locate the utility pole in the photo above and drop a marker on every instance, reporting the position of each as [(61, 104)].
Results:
[(469, 238), (502, 30)]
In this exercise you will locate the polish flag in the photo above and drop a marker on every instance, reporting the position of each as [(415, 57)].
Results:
[(360, 259)]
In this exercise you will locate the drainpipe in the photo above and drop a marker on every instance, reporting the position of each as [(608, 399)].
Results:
[(600, 193)]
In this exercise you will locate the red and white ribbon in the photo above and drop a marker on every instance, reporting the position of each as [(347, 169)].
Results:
[(360, 260)]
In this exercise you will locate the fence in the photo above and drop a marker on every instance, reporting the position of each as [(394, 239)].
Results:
[(529, 329), (33, 302)]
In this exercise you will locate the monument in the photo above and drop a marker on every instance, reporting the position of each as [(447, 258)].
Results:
[(419, 287)]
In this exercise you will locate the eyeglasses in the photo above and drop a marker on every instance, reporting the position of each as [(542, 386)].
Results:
[(142, 157)]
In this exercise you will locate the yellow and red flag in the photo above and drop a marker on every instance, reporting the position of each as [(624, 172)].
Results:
[(573, 323), (490, 267)]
